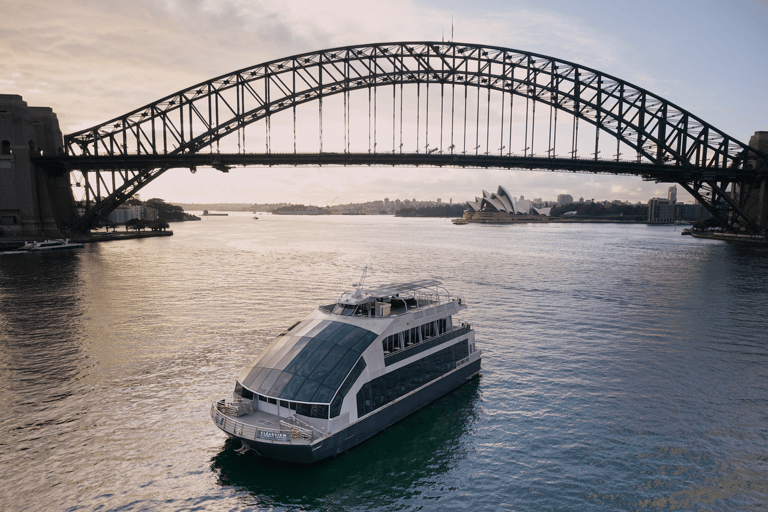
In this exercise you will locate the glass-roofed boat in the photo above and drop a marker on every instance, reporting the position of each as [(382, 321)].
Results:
[(349, 370)]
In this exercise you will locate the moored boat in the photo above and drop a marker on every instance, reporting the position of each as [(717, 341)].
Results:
[(349, 370), (51, 245)]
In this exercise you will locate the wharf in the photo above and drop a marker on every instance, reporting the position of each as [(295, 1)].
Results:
[(728, 237), (14, 243)]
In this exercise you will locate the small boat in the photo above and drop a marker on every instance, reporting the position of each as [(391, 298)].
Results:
[(52, 245), (349, 370), (459, 221), (255, 218)]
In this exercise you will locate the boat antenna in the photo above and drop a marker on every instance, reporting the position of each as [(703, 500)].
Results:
[(359, 290)]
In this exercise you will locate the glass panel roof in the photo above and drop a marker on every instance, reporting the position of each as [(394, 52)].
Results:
[(308, 368)]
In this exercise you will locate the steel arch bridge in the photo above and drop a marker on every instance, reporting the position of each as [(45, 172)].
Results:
[(487, 95)]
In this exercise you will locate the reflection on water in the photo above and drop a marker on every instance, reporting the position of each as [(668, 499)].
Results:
[(41, 354), (392, 466)]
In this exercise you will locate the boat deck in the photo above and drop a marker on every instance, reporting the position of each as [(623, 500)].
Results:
[(237, 420)]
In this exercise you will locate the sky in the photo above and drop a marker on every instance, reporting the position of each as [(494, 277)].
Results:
[(93, 60)]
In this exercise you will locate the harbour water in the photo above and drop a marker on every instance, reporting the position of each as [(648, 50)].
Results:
[(624, 368)]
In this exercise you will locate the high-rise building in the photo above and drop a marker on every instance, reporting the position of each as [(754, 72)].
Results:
[(564, 199), (672, 194)]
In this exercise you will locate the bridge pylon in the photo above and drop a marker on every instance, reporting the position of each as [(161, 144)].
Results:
[(34, 200), (755, 195)]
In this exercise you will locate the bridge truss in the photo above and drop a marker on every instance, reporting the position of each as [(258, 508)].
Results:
[(437, 104)]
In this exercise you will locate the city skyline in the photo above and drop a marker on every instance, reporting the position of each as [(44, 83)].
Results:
[(121, 57)]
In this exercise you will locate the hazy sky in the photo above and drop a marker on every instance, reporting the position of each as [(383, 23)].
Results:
[(92, 60)]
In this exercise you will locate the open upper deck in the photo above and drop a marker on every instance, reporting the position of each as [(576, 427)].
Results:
[(390, 299)]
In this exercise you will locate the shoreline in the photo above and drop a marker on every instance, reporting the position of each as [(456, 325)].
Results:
[(729, 237), (15, 243)]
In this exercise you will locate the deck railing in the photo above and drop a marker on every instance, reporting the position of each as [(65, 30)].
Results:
[(223, 415)]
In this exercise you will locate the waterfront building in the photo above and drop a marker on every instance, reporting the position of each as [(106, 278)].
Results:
[(501, 207), (123, 214), (661, 211), (691, 212)]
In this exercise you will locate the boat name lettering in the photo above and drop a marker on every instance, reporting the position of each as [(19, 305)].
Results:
[(276, 436)]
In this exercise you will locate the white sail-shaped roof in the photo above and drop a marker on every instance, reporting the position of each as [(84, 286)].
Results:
[(503, 201), (503, 192), (491, 204), (543, 211), (474, 205)]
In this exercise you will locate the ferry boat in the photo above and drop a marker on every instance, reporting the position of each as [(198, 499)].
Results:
[(53, 245), (348, 370)]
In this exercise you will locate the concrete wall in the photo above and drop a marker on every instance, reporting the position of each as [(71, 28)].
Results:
[(756, 204), (33, 201)]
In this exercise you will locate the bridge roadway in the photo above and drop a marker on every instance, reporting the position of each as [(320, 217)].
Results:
[(224, 161)]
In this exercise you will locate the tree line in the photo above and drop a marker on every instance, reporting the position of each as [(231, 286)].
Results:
[(590, 209)]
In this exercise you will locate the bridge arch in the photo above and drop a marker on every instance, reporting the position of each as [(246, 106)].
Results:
[(658, 130), (669, 143)]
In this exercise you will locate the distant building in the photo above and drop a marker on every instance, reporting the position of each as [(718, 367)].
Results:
[(501, 207), (691, 212), (672, 194), (123, 214), (661, 211), (564, 199)]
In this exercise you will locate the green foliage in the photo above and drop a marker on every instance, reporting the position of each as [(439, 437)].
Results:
[(137, 224), (706, 224), (166, 211), (163, 207), (291, 208), (592, 210)]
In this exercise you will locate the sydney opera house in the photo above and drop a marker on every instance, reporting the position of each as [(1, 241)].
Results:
[(502, 208)]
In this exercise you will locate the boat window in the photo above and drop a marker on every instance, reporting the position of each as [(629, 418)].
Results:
[(336, 377), (5, 147), (313, 370), (272, 401), (307, 390), (348, 383), (365, 309), (393, 385), (243, 392), (413, 336), (319, 411), (313, 410), (285, 404), (344, 309)]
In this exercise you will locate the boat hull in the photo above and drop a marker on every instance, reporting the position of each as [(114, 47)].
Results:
[(368, 426)]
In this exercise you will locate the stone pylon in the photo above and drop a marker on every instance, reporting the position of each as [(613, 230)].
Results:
[(33, 201), (756, 203)]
